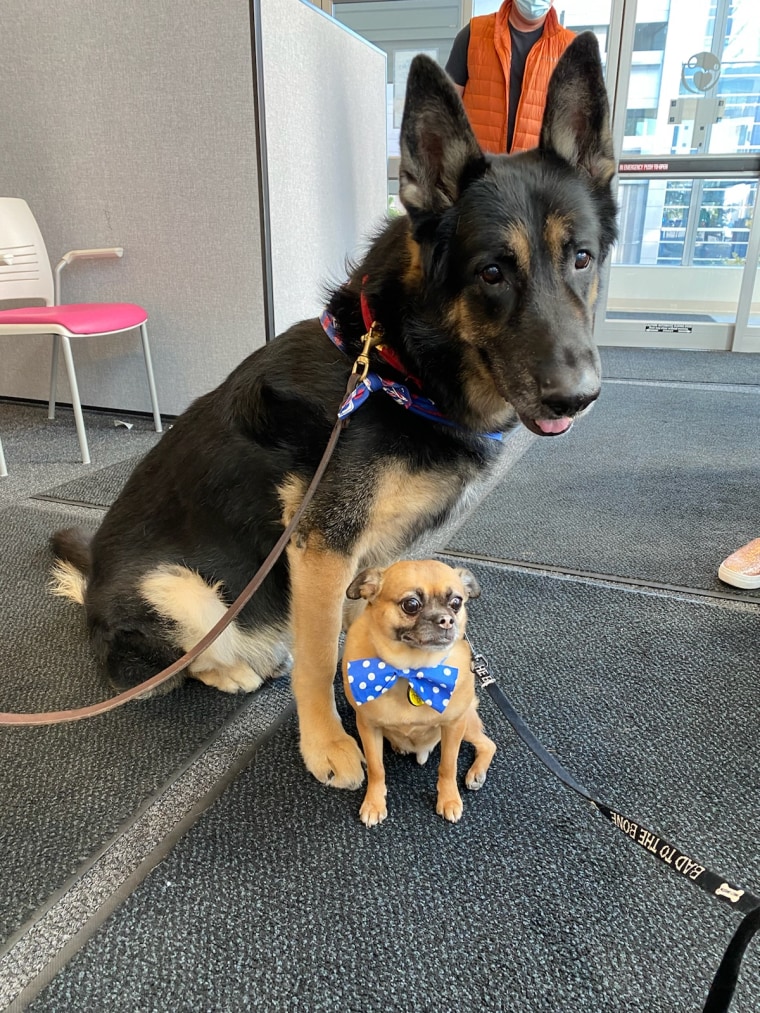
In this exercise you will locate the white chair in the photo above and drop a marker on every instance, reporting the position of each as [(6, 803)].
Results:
[(25, 274)]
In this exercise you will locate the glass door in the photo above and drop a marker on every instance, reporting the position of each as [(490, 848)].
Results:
[(687, 124)]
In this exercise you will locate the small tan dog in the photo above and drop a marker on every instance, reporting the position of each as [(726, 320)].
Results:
[(407, 674)]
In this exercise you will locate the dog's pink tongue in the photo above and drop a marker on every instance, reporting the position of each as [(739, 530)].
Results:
[(554, 426)]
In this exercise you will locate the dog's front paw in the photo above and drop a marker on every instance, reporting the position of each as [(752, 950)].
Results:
[(373, 811), (337, 762), (450, 808)]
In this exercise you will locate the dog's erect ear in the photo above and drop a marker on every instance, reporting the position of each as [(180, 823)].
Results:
[(577, 117), (366, 585), (439, 153), (470, 583)]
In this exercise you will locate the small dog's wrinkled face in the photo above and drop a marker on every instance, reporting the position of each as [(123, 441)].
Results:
[(419, 603)]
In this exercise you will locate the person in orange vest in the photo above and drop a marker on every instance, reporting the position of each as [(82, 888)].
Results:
[(501, 64)]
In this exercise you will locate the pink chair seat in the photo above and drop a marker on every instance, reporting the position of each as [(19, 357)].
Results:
[(26, 276), (80, 318)]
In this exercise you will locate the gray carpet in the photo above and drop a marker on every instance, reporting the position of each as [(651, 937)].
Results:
[(677, 493), (680, 366), (98, 489), (67, 789), (280, 899), (41, 452)]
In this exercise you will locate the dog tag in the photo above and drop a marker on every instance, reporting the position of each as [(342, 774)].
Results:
[(413, 699)]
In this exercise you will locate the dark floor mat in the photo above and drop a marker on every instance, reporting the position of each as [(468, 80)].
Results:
[(681, 366), (279, 899), (669, 504), (99, 488), (67, 788)]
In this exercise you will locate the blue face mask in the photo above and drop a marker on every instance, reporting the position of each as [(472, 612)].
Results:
[(533, 10)]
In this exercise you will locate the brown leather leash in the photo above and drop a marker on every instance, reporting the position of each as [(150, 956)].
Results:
[(358, 372)]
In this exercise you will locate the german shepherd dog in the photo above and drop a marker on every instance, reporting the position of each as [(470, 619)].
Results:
[(485, 292)]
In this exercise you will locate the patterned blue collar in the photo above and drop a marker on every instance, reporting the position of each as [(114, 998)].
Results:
[(369, 678), (399, 392)]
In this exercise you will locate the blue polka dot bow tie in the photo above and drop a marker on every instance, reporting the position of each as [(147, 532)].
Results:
[(369, 678)]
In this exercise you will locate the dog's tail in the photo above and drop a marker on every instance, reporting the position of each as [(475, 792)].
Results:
[(71, 547)]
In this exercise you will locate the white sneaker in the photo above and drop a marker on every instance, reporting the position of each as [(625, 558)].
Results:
[(742, 568)]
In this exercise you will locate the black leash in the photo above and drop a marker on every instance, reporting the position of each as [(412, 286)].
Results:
[(725, 980)]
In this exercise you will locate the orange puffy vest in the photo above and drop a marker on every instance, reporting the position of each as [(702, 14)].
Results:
[(486, 94)]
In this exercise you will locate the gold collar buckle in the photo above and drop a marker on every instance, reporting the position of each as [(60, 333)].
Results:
[(372, 338)]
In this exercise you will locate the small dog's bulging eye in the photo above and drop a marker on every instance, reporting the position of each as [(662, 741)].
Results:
[(456, 603), (492, 275), (411, 606), (582, 260)]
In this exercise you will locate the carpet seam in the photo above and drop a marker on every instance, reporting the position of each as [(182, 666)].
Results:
[(631, 584)]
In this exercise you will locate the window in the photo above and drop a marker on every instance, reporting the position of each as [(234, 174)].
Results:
[(650, 36)]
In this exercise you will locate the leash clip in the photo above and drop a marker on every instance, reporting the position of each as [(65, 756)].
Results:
[(479, 665), (373, 337)]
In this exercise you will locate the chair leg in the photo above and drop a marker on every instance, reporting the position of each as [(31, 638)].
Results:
[(76, 404), (53, 377), (3, 468), (151, 381)]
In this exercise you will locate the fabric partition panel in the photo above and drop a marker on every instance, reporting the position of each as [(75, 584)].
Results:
[(325, 99)]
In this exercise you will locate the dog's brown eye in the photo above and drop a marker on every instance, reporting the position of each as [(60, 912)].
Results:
[(582, 260), (455, 604), (492, 275), (411, 606)]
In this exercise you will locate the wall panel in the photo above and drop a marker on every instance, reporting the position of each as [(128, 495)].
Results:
[(324, 90)]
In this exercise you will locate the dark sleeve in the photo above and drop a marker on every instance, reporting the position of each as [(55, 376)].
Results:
[(456, 65)]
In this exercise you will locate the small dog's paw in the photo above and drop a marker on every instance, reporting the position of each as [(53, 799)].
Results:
[(475, 779), (450, 808), (372, 812), (338, 762)]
